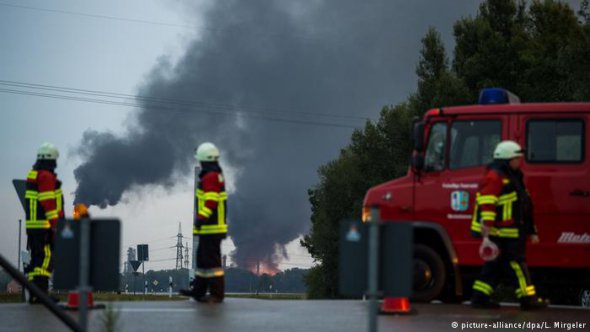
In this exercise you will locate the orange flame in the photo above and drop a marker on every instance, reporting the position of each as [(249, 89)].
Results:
[(80, 211), (265, 268)]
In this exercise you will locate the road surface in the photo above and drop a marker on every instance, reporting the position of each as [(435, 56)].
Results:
[(298, 315)]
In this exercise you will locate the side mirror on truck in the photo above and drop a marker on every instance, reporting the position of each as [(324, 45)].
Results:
[(418, 146), (417, 161), (418, 136)]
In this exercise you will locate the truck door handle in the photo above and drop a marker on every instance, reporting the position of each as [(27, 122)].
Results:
[(405, 208), (579, 193)]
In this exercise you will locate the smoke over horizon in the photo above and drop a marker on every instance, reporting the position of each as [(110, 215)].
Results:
[(278, 86)]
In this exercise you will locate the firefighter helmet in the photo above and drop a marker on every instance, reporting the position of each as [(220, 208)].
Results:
[(47, 151), (507, 150), (207, 152)]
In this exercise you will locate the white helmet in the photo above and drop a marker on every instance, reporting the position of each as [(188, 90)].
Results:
[(47, 151), (207, 152), (507, 150)]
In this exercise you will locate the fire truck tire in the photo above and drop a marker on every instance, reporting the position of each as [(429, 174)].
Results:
[(429, 274)]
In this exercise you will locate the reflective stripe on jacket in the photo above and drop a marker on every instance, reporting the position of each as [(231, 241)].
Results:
[(44, 200), (497, 206), (211, 203)]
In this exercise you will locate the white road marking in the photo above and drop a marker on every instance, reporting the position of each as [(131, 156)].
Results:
[(156, 309)]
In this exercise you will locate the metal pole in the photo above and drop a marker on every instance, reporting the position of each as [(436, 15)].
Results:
[(20, 227), (42, 296), (195, 246), (373, 267), (84, 271), (144, 284), (195, 238), (19, 236)]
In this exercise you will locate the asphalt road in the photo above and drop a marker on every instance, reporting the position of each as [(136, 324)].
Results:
[(297, 315)]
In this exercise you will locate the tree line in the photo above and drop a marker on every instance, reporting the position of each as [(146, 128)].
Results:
[(236, 281), (539, 50)]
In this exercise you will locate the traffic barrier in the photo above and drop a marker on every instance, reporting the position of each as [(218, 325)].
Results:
[(74, 301), (396, 306)]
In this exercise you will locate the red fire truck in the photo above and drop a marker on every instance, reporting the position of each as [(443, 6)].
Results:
[(452, 146)]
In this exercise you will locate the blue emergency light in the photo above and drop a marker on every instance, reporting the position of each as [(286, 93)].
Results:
[(490, 96)]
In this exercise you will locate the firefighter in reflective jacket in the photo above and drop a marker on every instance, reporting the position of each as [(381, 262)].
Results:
[(210, 225), (44, 205), (503, 214)]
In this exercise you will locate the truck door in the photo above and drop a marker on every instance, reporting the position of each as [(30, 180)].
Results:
[(456, 155), (557, 175)]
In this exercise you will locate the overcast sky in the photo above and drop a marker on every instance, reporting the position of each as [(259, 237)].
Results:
[(122, 47), (84, 52)]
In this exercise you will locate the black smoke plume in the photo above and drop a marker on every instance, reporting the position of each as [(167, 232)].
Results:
[(277, 85)]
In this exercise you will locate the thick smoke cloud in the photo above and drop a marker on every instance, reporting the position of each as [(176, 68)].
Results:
[(293, 60)]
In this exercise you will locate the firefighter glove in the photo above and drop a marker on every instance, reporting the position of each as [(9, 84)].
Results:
[(198, 223)]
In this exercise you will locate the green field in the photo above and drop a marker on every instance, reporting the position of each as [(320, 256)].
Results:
[(9, 298), (114, 297)]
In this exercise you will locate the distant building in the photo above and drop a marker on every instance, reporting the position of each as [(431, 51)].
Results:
[(131, 256), (13, 287)]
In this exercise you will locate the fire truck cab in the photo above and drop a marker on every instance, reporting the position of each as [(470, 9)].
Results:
[(451, 148)]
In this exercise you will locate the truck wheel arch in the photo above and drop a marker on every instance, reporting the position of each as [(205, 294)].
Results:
[(436, 237)]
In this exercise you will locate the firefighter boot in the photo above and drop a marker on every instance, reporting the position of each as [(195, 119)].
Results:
[(533, 303), (187, 292), (217, 290), (481, 301), (197, 290), (190, 291), (204, 285), (43, 284), (32, 298)]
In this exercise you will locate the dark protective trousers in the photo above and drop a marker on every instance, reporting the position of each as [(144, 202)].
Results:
[(510, 263), (209, 275), (40, 245)]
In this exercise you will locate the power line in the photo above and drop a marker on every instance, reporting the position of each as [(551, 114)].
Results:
[(97, 101), (72, 13), (183, 111), (133, 245), (162, 260), (308, 37), (167, 101), (160, 249)]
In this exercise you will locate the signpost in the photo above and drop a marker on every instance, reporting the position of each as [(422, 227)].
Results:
[(143, 256), (384, 250), (135, 265), (373, 267), (20, 187), (87, 254)]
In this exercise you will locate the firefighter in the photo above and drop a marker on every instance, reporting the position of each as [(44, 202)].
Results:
[(44, 205), (503, 215), (210, 226)]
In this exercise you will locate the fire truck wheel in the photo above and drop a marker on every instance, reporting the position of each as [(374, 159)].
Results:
[(429, 274), (585, 298)]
